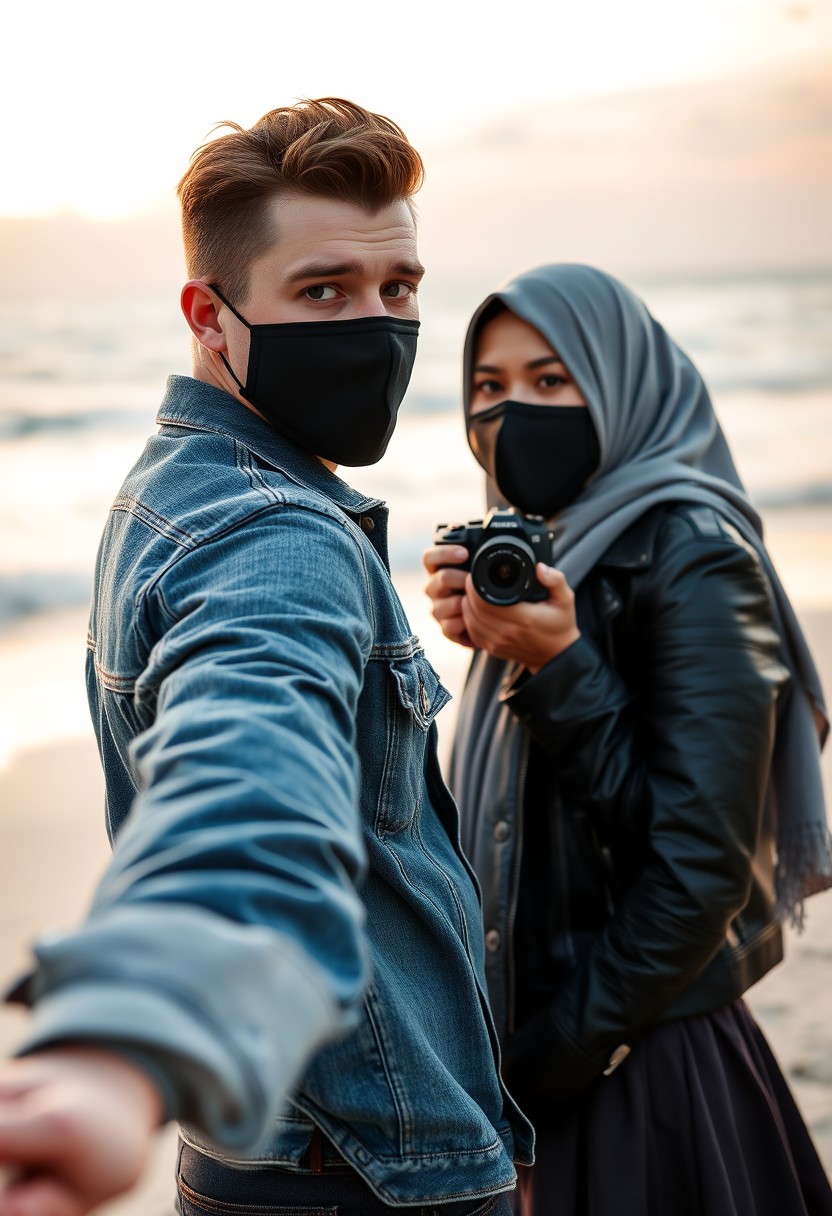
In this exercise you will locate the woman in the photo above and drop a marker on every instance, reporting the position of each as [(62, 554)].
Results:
[(632, 754)]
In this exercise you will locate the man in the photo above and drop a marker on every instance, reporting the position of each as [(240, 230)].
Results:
[(285, 953)]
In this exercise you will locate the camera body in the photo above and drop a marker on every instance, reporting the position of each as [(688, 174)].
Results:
[(503, 550)]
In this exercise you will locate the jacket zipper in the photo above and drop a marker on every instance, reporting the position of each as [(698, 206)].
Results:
[(569, 942), (515, 887), (604, 868)]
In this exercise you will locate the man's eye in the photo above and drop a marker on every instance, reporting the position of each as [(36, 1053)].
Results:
[(320, 292), (399, 291)]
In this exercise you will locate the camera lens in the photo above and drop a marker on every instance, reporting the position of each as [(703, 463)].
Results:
[(503, 570)]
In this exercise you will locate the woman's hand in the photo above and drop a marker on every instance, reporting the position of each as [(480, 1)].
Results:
[(527, 633), (446, 589)]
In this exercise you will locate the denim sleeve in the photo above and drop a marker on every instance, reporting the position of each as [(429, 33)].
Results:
[(224, 945)]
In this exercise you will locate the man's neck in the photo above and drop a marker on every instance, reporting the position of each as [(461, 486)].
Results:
[(204, 370)]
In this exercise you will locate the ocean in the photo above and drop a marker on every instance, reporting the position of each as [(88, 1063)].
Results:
[(82, 378)]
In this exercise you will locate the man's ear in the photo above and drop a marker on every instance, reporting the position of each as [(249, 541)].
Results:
[(199, 306)]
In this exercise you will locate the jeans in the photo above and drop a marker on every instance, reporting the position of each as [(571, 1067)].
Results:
[(209, 1188)]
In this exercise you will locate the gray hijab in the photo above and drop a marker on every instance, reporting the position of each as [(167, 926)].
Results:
[(660, 441)]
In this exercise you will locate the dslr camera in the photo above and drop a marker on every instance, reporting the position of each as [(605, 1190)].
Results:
[(503, 550)]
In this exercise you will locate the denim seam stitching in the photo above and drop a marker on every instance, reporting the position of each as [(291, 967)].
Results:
[(245, 462), (383, 819), (135, 507), (360, 540), (364, 503), (446, 920), (153, 586), (408, 649), (463, 924), (114, 682), (397, 1090), (340, 1143)]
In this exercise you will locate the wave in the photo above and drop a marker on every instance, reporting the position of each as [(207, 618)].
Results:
[(35, 591), (15, 424), (18, 424), (812, 494), (775, 384), (29, 593)]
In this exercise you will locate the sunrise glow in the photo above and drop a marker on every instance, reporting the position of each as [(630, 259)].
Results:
[(102, 103)]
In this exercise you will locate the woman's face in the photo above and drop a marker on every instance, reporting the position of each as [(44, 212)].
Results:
[(514, 362)]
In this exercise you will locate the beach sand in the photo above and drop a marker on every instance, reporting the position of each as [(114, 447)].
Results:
[(54, 846)]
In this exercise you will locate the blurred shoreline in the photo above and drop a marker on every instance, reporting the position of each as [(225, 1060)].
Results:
[(82, 380), (42, 651)]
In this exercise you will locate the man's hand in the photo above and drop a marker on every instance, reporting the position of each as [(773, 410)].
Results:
[(527, 633), (445, 588), (76, 1124)]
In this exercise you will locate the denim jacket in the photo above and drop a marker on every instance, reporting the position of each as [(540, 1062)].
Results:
[(287, 911)]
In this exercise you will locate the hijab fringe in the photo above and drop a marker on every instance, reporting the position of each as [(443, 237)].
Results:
[(806, 853)]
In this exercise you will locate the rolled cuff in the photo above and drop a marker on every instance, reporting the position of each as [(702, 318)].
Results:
[(224, 1056)]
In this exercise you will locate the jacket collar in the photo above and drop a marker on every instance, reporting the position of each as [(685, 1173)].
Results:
[(633, 549), (202, 407)]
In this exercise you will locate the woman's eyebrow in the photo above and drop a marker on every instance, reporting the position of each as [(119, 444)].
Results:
[(496, 371)]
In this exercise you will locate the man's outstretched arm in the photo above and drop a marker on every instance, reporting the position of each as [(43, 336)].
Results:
[(225, 943)]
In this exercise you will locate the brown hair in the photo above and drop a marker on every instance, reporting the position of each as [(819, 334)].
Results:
[(327, 147)]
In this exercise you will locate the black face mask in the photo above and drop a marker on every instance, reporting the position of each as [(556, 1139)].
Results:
[(335, 387), (540, 456)]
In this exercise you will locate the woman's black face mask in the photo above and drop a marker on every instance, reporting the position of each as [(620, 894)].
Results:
[(540, 456), (335, 387)]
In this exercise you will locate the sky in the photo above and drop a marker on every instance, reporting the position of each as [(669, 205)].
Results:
[(101, 103)]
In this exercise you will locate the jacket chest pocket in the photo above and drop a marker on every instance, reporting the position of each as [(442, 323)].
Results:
[(413, 698)]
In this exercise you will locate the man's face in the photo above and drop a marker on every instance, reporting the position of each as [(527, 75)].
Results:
[(331, 261)]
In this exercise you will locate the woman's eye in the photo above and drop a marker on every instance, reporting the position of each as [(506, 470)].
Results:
[(399, 291), (551, 380), (488, 386), (320, 292)]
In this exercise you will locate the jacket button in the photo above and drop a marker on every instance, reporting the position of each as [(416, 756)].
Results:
[(502, 830), (492, 941), (367, 523)]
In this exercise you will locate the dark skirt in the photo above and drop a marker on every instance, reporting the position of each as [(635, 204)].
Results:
[(697, 1121)]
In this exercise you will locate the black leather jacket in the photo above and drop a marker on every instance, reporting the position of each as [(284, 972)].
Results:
[(654, 735)]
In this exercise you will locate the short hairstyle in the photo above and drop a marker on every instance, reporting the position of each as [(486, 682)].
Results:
[(327, 147)]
